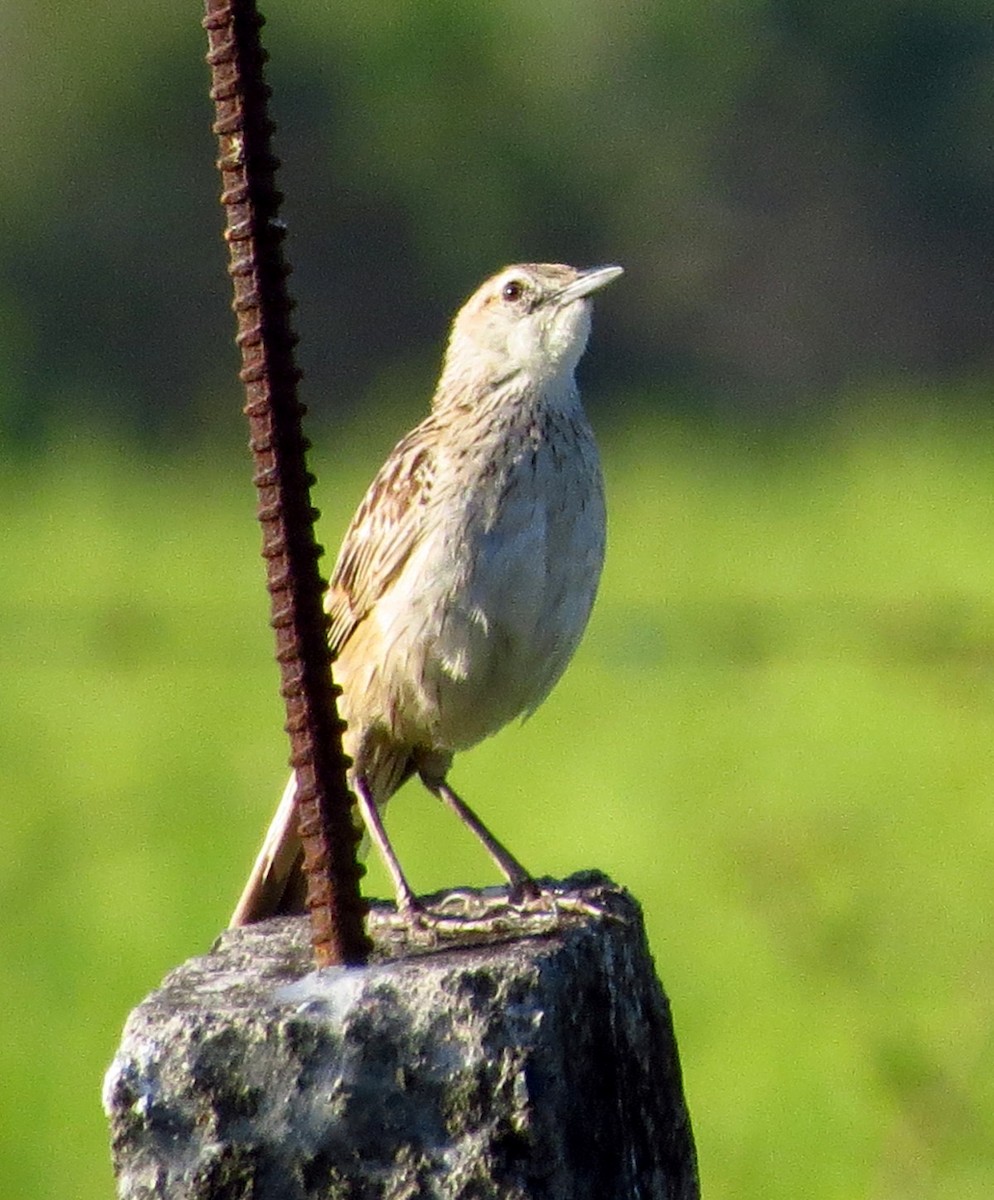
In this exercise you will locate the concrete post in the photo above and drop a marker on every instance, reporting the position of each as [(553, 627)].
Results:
[(519, 1057)]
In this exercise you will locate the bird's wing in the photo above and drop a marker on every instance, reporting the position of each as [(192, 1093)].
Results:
[(385, 529)]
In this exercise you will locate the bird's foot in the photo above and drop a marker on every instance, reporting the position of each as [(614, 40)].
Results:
[(465, 916)]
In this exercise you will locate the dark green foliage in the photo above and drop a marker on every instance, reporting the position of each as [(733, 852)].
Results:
[(801, 193)]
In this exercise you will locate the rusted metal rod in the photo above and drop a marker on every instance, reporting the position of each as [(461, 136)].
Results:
[(266, 339)]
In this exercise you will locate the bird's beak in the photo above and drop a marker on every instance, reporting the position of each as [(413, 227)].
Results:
[(587, 282)]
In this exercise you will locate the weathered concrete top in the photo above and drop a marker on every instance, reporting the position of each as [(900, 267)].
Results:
[(543, 1066)]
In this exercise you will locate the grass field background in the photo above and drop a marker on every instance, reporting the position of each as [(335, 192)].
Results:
[(779, 733)]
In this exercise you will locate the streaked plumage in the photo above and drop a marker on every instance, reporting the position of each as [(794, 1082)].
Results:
[(467, 575)]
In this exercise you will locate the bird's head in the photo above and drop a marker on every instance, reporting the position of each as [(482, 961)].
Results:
[(531, 320)]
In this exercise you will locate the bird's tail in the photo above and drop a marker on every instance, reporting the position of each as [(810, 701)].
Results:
[(276, 886)]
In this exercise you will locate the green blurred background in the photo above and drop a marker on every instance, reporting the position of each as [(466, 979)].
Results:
[(778, 731)]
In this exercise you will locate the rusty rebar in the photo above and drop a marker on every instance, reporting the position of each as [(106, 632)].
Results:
[(266, 339)]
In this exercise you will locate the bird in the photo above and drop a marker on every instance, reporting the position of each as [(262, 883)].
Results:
[(467, 576)]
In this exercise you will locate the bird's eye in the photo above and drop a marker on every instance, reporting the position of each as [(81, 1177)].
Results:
[(512, 291)]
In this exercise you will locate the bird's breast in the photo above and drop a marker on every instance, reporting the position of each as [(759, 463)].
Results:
[(501, 586)]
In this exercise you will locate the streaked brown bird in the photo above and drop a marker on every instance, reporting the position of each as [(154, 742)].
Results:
[(468, 573)]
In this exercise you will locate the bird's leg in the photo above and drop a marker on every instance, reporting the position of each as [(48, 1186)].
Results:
[(522, 884), (406, 903)]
